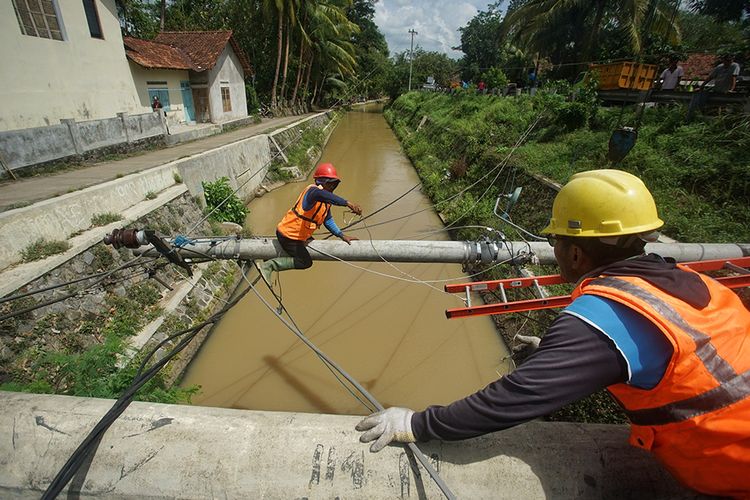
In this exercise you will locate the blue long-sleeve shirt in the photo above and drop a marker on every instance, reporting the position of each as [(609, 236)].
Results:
[(315, 195)]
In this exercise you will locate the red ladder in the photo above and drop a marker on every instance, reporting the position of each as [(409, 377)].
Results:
[(739, 265)]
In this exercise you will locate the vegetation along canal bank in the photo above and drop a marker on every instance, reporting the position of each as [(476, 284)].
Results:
[(382, 322), (473, 151)]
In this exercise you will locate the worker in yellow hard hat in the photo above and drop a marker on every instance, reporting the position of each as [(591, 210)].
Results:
[(311, 210), (670, 345)]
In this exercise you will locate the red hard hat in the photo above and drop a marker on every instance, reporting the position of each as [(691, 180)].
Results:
[(326, 170)]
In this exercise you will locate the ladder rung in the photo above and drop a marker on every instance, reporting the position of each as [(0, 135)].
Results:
[(555, 302)]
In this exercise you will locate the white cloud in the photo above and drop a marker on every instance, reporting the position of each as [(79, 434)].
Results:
[(436, 22)]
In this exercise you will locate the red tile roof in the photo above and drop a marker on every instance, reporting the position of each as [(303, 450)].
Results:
[(204, 47), (154, 55), (195, 50), (698, 66)]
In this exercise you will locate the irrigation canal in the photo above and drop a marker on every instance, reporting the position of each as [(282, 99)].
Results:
[(389, 333)]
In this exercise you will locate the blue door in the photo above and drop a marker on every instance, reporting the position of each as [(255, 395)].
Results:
[(187, 100)]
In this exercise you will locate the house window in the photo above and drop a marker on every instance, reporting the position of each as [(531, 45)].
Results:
[(38, 18), (92, 17), (226, 100), (162, 94)]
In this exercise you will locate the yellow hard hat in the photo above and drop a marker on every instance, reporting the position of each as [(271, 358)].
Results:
[(603, 203)]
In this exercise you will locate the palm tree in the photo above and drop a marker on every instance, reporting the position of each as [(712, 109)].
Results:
[(279, 8), (333, 53), (543, 26)]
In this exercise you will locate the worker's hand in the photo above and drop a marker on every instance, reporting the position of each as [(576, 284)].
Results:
[(348, 239), (354, 208), (387, 426)]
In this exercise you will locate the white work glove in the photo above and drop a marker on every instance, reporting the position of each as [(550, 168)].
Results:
[(393, 424)]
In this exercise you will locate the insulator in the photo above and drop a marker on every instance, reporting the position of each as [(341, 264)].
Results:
[(128, 238)]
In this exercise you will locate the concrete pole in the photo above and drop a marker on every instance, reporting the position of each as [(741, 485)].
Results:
[(458, 252), (411, 55)]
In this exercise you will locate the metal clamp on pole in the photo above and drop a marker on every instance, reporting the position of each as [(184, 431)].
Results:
[(135, 238)]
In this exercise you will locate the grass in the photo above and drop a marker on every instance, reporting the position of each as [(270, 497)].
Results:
[(105, 218), (42, 248), (699, 174)]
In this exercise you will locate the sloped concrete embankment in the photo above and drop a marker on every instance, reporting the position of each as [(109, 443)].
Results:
[(167, 199)]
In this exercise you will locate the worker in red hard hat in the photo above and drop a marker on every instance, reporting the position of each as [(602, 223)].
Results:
[(311, 210)]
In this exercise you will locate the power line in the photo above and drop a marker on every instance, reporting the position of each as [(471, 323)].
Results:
[(301, 336), (90, 442), (411, 54)]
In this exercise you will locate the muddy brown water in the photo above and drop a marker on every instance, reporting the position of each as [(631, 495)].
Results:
[(389, 333)]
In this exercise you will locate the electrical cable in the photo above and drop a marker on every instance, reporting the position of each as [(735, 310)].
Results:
[(90, 442), (500, 165), (363, 218), (283, 308), (301, 336), (11, 298), (75, 293)]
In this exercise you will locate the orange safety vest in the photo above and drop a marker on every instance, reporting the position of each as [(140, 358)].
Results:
[(697, 419), (300, 224)]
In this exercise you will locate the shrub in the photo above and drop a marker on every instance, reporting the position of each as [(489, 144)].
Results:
[(222, 203)]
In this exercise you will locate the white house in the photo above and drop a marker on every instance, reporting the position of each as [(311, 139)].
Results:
[(63, 59), (198, 76)]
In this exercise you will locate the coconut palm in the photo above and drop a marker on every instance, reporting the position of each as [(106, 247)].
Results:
[(283, 10), (544, 26), (328, 52)]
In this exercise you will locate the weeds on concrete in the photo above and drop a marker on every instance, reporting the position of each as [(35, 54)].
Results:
[(177, 178), (105, 218), (151, 195), (42, 248)]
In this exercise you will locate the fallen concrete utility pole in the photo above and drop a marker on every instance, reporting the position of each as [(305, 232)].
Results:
[(458, 252)]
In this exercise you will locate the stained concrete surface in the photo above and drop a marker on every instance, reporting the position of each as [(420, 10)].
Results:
[(179, 451)]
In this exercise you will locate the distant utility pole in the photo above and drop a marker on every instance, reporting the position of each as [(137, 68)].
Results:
[(411, 55)]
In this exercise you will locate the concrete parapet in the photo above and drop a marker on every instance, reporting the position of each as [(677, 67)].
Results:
[(177, 451), (58, 218), (34, 146), (244, 163), (19, 275)]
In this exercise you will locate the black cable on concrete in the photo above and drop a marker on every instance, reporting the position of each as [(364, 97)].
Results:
[(89, 443), (126, 265), (76, 293)]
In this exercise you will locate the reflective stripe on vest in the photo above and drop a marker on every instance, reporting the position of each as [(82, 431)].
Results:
[(732, 387)]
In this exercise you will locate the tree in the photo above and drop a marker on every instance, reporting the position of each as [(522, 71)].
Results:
[(573, 28), (722, 10), (434, 64), (371, 49), (481, 42), (136, 18)]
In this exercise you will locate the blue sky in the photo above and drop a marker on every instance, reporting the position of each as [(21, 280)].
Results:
[(437, 23)]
